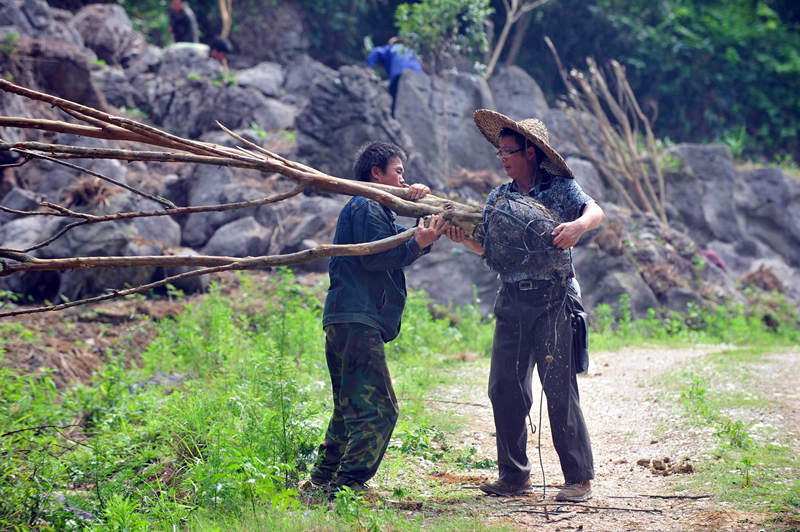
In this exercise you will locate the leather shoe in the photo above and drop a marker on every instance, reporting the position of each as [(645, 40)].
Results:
[(504, 489), (578, 492)]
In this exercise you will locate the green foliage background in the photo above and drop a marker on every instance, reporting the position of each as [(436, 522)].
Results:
[(460, 28), (708, 70)]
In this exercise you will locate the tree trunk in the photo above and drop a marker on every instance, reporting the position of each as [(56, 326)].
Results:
[(518, 39)]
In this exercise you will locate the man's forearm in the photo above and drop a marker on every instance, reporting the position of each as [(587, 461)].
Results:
[(592, 216)]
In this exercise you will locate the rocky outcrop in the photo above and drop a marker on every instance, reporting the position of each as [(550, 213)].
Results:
[(346, 109), (36, 20), (55, 67), (766, 202), (437, 114), (726, 226), (516, 94), (108, 32), (701, 193)]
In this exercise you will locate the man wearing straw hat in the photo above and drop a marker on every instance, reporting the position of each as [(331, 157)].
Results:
[(534, 306), (363, 309)]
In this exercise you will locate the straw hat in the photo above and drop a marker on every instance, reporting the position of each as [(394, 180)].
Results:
[(490, 123)]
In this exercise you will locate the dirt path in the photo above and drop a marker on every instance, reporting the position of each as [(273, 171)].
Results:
[(631, 431)]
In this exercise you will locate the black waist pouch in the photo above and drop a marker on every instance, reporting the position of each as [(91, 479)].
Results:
[(580, 341)]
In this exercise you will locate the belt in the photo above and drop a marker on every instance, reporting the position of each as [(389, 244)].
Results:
[(530, 284), (533, 284)]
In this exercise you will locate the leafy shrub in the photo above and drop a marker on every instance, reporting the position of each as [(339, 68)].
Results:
[(709, 71), (460, 29)]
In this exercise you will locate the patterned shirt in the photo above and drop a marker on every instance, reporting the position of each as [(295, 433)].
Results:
[(562, 196)]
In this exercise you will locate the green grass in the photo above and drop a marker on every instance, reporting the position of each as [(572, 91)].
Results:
[(767, 320), (218, 418), (215, 425), (752, 464)]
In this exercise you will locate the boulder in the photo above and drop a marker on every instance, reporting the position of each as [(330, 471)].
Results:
[(160, 229), (54, 182), (604, 278), (94, 240), (22, 232), (203, 189), (76, 284), (35, 19), (108, 31), (20, 200), (14, 18), (345, 110), (58, 68), (191, 284), (114, 85), (563, 137), (192, 106), (267, 77), (11, 105), (307, 227), (446, 142), (147, 62), (589, 179), (254, 44), (766, 207), (211, 186), (19, 234), (516, 94), (317, 265), (182, 59), (300, 75), (244, 237), (702, 192)]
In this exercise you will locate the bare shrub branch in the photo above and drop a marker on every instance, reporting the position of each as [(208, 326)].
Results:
[(624, 164)]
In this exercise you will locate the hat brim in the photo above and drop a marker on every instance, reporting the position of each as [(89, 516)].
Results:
[(491, 123)]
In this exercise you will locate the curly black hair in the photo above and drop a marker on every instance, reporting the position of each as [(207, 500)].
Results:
[(375, 154)]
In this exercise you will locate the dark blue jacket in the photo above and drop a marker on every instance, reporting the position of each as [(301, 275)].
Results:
[(369, 289), (395, 58)]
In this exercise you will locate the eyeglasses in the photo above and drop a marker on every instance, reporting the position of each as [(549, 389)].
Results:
[(503, 154)]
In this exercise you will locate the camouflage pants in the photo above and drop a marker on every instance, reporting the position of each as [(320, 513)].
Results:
[(364, 405)]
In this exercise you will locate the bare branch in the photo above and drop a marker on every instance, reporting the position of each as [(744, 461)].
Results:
[(513, 13), (168, 204), (623, 154), (180, 150), (109, 121), (55, 237), (392, 197), (91, 218), (109, 133), (249, 263)]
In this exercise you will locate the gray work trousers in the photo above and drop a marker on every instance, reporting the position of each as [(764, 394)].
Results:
[(532, 324)]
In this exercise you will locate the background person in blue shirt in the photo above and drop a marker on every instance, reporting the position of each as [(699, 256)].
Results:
[(395, 57), (363, 309)]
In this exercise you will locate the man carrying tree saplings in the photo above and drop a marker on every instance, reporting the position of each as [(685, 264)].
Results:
[(363, 310)]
